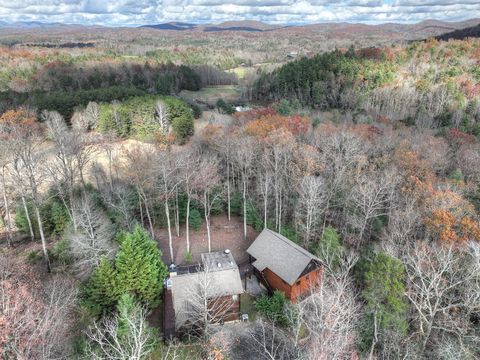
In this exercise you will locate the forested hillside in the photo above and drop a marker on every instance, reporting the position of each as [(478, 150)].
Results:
[(429, 84)]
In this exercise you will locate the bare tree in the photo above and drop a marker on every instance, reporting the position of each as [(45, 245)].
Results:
[(122, 336), (64, 169), (163, 116), (36, 320), (139, 170), (340, 154), (6, 205), (372, 196), (270, 342), (330, 314), (403, 223), (243, 158), (207, 181), (167, 167), (93, 238), (28, 168), (308, 211), (87, 119), (443, 286)]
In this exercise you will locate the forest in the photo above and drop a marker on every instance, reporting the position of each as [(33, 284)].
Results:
[(366, 157)]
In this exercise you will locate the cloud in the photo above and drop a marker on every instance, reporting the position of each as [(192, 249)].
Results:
[(137, 12)]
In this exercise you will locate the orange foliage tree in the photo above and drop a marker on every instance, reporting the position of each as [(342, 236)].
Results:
[(265, 125), (451, 218)]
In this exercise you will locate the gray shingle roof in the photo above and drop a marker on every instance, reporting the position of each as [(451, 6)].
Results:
[(212, 280), (282, 256)]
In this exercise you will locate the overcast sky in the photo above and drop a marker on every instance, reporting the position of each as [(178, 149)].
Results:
[(137, 12)]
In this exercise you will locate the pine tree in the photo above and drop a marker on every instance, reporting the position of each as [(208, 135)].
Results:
[(103, 290), (384, 292), (139, 266), (195, 219)]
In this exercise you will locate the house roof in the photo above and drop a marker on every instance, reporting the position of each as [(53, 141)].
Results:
[(218, 261), (212, 280), (282, 256)]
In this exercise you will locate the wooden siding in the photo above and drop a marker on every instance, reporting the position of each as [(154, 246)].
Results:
[(299, 288), (168, 315)]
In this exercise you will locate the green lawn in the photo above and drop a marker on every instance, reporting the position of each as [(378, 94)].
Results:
[(247, 306), (210, 94)]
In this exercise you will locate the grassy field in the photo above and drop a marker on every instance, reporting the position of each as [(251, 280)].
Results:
[(211, 94)]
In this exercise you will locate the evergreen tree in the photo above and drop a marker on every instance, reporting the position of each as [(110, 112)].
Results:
[(138, 271), (384, 291), (195, 219), (139, 267), (103, 289)]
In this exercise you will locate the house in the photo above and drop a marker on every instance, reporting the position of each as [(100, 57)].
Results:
[(216, 281), (280, 264)]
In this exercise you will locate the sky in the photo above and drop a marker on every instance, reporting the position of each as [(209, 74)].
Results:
[(139, 12)]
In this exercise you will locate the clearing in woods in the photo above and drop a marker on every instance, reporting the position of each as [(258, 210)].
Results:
[(224, 234)]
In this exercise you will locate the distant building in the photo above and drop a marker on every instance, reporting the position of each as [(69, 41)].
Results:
[(292, 55), (283, 265), (216, 280)]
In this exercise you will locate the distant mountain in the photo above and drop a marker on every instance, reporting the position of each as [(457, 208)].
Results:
[(35, 25), (178, 26), (247, 25), (232, 28), (473, 31)]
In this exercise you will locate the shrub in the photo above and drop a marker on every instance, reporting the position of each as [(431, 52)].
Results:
[(34, 256), (225, 108), (182, 127), (196, 111), (188, 257), (195, 219), (273, 308), (330, 248), (60, 253), (290, 233), (21, 220), (284, 108)]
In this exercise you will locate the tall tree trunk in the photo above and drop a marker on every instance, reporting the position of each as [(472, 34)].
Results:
[(177, 213), (147, 211), (42, 236), (228, 191), (72, 208), (140, 206), (244, 208), (280, 213), (375, 336), (68, 208), (29, 221), (265, 204), (187, 224), (170, 241), (7, 211), (207, 219)]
